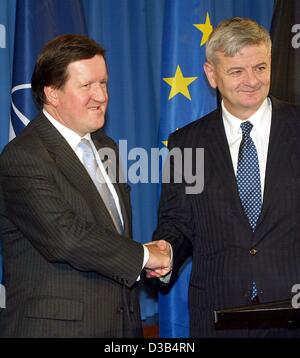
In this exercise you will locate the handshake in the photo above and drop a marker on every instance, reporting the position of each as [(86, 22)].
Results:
[(159, 263)]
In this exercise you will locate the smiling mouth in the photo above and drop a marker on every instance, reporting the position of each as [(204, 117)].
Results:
[(252, 90)]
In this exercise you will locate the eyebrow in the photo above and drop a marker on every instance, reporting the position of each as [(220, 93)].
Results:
[(261, 64), (241, 68)]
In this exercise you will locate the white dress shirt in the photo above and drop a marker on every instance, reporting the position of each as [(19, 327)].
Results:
[(260, 133)]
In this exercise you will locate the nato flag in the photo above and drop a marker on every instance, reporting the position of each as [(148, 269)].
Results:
[(37, 21)]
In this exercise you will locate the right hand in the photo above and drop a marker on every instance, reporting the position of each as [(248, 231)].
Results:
[(159, 262)]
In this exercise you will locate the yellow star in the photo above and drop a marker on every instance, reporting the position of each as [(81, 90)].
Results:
[(179, 84), (205, 28)]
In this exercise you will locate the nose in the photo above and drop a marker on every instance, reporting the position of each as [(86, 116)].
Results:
[(251, 78), (100, 93)]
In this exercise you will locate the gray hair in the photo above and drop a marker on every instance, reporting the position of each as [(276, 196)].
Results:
[(231, 35)]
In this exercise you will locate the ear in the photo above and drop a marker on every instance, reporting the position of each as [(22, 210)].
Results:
[(51, 94), (209, 70)]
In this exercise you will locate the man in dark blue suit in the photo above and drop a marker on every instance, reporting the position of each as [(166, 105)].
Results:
[(244, 227)]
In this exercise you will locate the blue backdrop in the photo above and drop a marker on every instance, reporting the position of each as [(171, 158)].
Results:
[(137, 34)]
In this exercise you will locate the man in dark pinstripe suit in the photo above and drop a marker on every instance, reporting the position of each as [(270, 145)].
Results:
[(70, 271), (230, 257)]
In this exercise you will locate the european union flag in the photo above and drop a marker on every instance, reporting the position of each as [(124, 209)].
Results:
[(185, 96)]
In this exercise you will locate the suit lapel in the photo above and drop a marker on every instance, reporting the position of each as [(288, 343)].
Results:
[(220, 158), (219, 150), (69, 164), (278, 157)]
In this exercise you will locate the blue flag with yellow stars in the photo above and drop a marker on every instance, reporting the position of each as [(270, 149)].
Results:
[(187, 96)]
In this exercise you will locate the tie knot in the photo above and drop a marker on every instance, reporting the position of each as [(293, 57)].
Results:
[(87, 151), (85, 145), (246, 128)]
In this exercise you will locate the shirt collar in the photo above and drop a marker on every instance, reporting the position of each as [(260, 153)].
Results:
[(70, 136), (233, 123)]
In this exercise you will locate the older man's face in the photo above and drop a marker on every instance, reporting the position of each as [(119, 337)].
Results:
[(243, 79)]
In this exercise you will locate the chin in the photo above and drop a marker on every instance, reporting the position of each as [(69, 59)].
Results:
[(252, 101), (99, 124)]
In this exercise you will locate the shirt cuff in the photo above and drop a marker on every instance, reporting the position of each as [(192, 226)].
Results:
[(146, 258), (146, 255)]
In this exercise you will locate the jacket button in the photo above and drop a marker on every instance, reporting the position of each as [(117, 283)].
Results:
[(253, 251)]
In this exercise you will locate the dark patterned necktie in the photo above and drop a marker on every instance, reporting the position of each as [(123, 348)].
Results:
[(248, 176), (248, 182), (90, 163)]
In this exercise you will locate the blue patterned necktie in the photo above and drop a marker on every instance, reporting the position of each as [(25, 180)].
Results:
[(90, 163), (248, 181), (248, 176)]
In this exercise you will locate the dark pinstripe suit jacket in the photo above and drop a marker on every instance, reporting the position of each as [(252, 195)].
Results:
[(68, 272), (215, 225)]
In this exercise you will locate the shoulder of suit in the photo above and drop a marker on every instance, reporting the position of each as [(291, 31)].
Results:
[(286, 110), (196, 128), (280, 104), (28, 138), (104, 139)]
